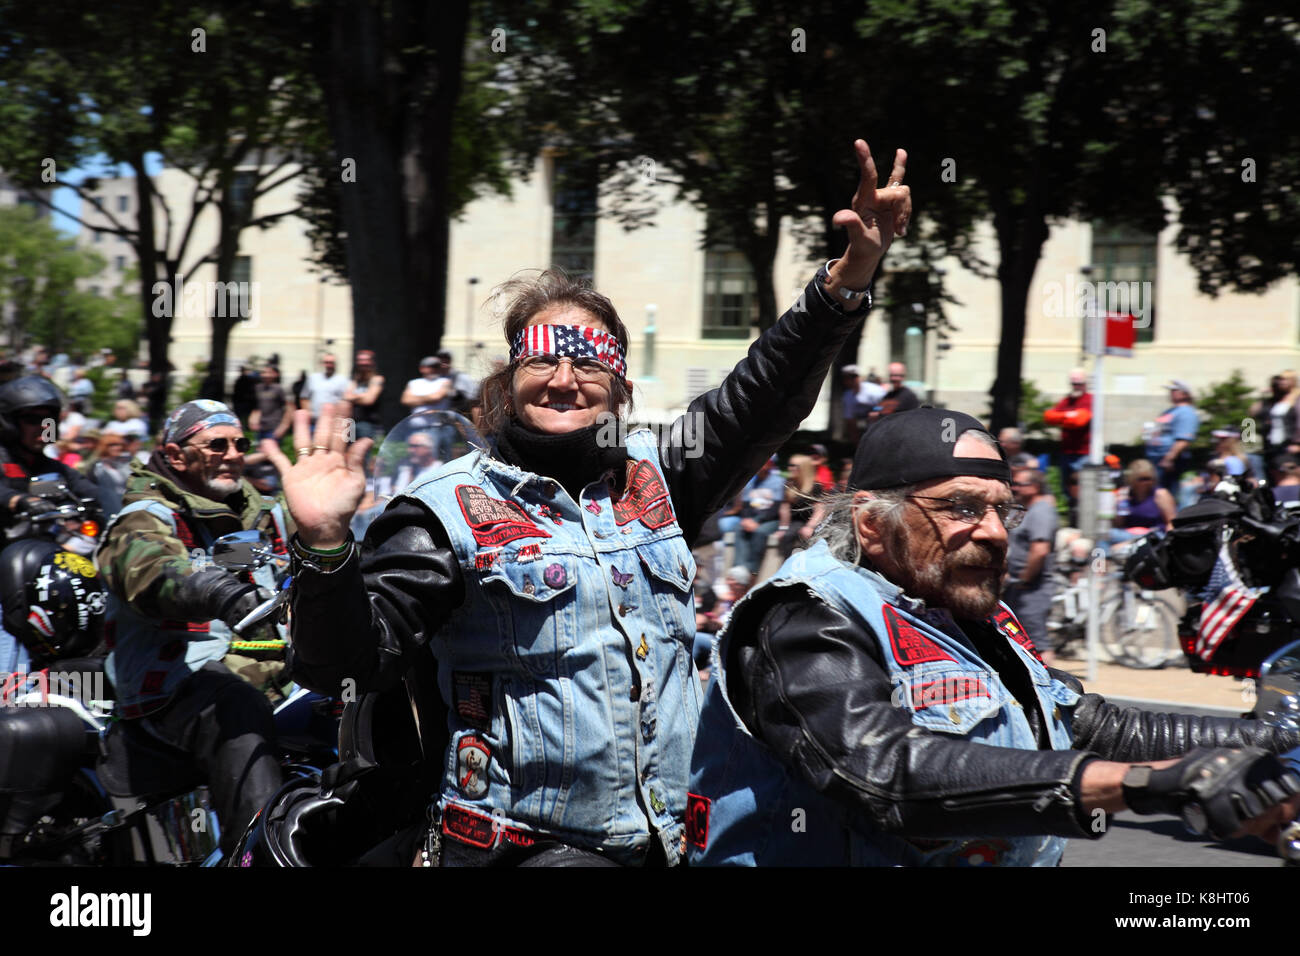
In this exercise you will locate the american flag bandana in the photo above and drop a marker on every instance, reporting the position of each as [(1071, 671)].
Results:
[(570, 341), (1226, 600)]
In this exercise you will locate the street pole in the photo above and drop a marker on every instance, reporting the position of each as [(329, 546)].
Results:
[(1089, 491), (469, 325)]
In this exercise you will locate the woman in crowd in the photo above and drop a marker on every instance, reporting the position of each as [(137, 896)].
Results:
[(551, 578), (803, 493), (1277, 415), (363, 394), (1141, 505)]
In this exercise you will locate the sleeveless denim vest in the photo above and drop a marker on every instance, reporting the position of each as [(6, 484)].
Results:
[(572, 696), (151, 658), (746, 808)]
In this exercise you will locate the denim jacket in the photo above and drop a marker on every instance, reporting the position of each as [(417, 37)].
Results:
[(568, 669), (747, 808)]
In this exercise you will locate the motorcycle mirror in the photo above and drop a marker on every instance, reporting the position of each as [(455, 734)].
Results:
[(240, 551)]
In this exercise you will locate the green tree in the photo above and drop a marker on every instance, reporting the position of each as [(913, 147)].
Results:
[(1227, 404), (41, 273)]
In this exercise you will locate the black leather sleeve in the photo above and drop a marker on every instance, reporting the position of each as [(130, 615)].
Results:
[(725, 435), (363, 620), (1131, 735), (809, 683)]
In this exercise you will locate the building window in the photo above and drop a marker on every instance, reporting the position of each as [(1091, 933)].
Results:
[(1121, 254), (97, 236), (573, 224), (123, 203), (119, 263), (730, 295), (237, 302), (241, 192)]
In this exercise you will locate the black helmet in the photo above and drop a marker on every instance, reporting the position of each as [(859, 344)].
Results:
[(54, 600), (30, 391)]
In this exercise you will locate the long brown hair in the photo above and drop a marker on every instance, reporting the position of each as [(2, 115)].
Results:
[(528, 295)]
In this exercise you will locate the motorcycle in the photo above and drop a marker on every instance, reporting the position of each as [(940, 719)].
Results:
[(78, 787), (391, 743)]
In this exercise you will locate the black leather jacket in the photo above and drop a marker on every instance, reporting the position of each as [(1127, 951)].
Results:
[(362, 620), (786, 650), (19, 466)]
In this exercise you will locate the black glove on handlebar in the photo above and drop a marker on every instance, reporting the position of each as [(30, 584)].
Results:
[(1215, 791), (215, 594)]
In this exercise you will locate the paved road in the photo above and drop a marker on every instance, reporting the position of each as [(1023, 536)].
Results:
[(1162, 841)]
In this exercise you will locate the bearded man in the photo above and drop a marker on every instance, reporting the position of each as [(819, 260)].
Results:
[(874, 702)]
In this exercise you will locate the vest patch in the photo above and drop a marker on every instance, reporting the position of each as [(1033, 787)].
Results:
[(555, 576), (480, 831), (909, 645), (529, 552), (981, 853), (494, 521), (947, 690), (484, 560), (697, 820), (646, 497), (473, 696), (472, 756), (1006, 622)]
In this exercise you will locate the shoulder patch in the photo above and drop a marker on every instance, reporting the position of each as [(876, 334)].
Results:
[(645, 497), (908, 644), (697, 820), (1006, 622)]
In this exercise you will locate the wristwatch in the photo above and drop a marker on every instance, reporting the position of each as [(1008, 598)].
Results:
[(848, 298)]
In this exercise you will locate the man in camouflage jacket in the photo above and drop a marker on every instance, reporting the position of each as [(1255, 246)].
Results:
[(171, 612)]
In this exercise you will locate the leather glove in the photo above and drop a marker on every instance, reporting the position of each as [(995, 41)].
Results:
[(216, 594), (1215, 791)]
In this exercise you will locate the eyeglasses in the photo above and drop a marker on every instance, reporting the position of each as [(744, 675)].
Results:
[(973, 510), (585, 370), (220, 445)]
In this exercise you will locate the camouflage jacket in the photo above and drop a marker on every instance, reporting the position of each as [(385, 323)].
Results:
[(155, 637)]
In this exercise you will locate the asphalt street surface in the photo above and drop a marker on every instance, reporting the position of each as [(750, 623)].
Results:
[(1163, 841)]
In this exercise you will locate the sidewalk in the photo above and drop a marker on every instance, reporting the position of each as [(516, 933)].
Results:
[(1174, 684)]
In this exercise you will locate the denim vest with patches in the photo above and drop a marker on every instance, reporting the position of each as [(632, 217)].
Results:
[(572, 696), (151, 658), (746, 808)]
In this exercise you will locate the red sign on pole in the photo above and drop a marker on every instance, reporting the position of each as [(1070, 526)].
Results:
[(1120, 334)]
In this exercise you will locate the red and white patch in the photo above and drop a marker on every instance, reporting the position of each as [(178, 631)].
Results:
[(947, 690), (494, 521), (645, 497), (981, 853), (909, 645), (472, 759), (1006, 622)]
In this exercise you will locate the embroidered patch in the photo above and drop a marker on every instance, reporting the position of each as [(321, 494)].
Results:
[(528, 552), (550, 513), (646, 497), (697, 820), (621, 579), (472, 756), (593, 507), (643, 649), (1006, 622), (947, 690), (555, 576), (480, 831), (909, 645), (981, 853), (494, 521), (484, 560), (473, 695)]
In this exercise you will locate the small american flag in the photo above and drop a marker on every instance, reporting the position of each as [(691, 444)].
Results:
[(1225, 600), (570, 341)]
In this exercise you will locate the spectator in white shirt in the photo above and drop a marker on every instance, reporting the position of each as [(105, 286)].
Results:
[(431, 392), (323, 388)]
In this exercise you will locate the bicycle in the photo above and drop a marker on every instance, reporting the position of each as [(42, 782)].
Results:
[(1137, 628)]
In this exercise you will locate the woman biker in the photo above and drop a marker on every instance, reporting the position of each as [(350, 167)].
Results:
[(551, 579)]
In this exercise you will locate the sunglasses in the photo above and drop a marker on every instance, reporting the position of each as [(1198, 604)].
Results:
[(220, 445)]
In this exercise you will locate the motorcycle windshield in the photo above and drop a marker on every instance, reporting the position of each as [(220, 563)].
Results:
[(413, 449)]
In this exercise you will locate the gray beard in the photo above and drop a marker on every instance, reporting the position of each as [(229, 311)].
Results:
[(929, 583)]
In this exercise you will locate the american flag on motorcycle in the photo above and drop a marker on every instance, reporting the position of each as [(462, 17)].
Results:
[(1225, 601)]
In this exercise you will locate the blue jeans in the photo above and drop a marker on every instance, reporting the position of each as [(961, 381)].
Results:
[(751, 545)]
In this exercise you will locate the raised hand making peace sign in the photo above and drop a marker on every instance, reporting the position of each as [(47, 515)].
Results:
[(877, 215)]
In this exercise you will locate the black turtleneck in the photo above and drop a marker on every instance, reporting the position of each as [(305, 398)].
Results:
[(574, 459)]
